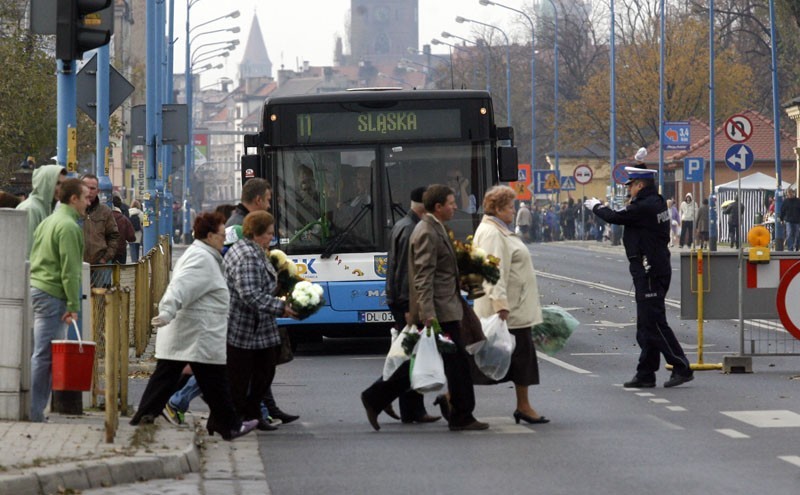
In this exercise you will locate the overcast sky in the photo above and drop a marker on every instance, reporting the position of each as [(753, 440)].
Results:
[(297, 30)]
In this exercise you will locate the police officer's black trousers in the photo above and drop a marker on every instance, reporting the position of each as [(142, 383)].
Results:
[(653, 333)]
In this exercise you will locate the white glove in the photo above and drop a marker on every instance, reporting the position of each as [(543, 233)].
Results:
[(591, 203), (159, 321)]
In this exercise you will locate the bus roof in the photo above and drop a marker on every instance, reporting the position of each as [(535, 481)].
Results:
[(380, 95)]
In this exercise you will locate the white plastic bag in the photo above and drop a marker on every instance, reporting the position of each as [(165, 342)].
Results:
[(427, 367), (397, 355), (494, 358)]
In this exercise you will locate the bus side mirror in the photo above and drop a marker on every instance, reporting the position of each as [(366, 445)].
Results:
[(507, 164), (251, 167), (251, 141)]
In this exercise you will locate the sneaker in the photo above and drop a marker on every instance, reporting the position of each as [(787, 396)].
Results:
[(173, 415)]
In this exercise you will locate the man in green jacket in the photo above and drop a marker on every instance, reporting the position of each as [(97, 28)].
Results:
[(56, 261), (39, 205)]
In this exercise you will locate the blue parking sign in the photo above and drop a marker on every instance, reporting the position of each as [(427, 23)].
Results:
[(693, 169)]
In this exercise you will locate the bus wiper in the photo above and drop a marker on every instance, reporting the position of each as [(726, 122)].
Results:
[(337, 241), (397, 208)]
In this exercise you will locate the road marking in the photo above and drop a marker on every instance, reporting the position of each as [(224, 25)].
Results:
[(566, 366), (645, 394), (609, 324), (671, 426), (597, 354), (732, 433), (594, 285), (779, 418), (676, 408), (659, 401), (791, 459)]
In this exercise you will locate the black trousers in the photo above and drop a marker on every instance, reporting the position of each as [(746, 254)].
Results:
[(687, 231), (212, 380), (251, 372), (459, 382), (653, 333)]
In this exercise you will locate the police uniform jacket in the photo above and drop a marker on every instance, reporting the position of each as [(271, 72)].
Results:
[(647, 229)]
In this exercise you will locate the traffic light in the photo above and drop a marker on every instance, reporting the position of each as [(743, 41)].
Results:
[(81, 25)]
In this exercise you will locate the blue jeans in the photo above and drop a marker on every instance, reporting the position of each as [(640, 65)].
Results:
[(134, 249), (47, 326), (180, 400), (792, 240)]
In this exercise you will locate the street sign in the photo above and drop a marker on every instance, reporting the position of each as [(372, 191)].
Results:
[(787, 297), (544, 181), (583, 174), (620, 175), (86, 89), (521, 185), (738, 128), (693, 169), (676, 136), (567, 183), (739, 157)]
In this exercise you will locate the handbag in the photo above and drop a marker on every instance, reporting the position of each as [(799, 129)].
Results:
[(397, 355), (427, 367), (286, 353), (471, 330)]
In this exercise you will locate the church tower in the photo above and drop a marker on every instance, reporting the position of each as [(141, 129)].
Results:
[(255, 61), (383, 30)]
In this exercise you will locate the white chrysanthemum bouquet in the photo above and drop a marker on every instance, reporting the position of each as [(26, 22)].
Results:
[(306, 299)]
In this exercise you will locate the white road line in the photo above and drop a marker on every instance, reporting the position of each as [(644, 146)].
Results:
[(594, 285), (676, 408), (732, 433), (566, 366), (598, 353), (791, 459), (659, 401), (645, 394), (671, 426)]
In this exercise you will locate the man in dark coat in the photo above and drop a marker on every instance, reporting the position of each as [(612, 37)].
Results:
[(790, 213), (646, 236)]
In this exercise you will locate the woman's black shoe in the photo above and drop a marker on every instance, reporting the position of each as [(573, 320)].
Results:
[(444, 405), (263, 425), (285, 418), (529, 419)]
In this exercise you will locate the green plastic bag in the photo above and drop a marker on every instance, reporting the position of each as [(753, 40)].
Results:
[(551, 335)]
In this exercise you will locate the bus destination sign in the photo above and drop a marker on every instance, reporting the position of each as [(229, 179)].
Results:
[(378, 125)]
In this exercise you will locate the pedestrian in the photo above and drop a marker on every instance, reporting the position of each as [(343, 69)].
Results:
[(256, 196), (46, 181), (8, 200), (192, 327), (702, 224), (55, 286), (524, 220), (253, 340), (434, 294), (515, 296), (688, 215), (116, 202), (100, 234), (790, 213), (412, 405), (675, 223), (734, 212), (126, 235), (647, 228), (137, 215)]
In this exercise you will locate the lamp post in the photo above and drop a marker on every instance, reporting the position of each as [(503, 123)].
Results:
[(462, 20), (450, 46), (189, 159), (487, 56), (555, 84), (387, 76), (533, 73)]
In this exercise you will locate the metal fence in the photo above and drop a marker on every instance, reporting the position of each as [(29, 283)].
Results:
[(767, 338)]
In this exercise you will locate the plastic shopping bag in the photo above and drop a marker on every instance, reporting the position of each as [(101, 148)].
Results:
[(427, 367), (397, 355), (494, 358), (550, 335)]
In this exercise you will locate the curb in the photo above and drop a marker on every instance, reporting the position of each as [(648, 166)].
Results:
[(103, 473)]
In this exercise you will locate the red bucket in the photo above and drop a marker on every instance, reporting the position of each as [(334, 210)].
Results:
[(73, 361)]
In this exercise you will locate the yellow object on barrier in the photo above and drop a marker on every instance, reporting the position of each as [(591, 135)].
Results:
[(759, 238)]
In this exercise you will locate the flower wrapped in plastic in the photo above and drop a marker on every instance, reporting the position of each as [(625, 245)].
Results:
[(552, 333), (306, 299), (412, 334), (475, 266), (287, 272)]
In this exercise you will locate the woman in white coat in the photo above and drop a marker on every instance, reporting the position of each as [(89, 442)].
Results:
[(193, 321), (515, 297)]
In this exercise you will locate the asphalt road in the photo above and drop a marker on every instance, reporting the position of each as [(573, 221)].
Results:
[(731, 434)]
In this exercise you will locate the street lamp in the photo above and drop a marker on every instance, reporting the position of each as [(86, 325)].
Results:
[(450, 46), (462, 20), (229, 45), (555, 85), (401, 81), (487, 56), (533, 73)]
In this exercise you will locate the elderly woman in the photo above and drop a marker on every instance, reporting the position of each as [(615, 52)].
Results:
[(193, 316), (253, 340), (515, 297)]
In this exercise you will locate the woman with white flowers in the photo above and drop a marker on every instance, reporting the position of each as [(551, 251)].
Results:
[(253, 340), (515, 296)]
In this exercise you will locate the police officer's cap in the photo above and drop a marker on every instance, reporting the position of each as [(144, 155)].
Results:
[(639, 172)]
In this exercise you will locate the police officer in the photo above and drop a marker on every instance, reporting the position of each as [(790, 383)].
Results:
[(647, 232)]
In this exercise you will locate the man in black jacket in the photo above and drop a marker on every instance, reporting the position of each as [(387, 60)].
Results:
[(790, 213), (647, 232)]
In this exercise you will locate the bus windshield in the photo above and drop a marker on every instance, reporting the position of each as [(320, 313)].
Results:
[(348, 198)]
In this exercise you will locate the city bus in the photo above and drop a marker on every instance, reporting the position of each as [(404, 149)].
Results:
[(342, 166)]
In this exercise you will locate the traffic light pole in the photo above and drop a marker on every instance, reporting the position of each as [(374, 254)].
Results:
[(168, 97), (153, 115), (66, 108), (102, 78)]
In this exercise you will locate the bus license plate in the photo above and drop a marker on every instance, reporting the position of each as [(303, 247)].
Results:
[(376, 317)]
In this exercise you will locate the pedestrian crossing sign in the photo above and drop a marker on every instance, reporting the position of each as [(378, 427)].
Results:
[(568, 183)]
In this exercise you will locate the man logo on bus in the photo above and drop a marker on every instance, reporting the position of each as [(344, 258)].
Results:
[(380, 262)]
